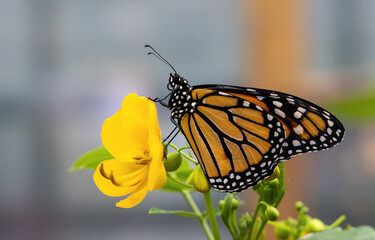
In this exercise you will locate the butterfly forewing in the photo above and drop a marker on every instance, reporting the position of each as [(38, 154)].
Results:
[(237, 142)]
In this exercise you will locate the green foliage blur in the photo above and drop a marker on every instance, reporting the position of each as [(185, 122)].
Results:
[(357, 107), (183, 177)]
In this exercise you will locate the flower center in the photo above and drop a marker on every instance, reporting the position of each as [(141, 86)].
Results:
[(143, 160)]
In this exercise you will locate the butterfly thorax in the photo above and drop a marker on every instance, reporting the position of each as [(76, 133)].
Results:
[(180, 101)]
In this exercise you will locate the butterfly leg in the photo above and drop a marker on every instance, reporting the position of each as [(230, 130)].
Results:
[(175, 134), (170, 134), (160, 100), (173, 137)]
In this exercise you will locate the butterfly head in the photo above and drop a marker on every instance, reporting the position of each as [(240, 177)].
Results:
[(180, 101), (177, 82)]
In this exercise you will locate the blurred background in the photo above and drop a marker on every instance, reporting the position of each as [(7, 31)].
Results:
[(65, 66)]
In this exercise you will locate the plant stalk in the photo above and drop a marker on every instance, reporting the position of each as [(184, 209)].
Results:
[(211, 215), (264, 222), (254, 218), (196, 210)]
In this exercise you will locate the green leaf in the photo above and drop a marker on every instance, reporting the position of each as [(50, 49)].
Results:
[(355, 107), (357, 233), (175, 212), (91, 159), (181, 174), (217, 213), (172, 186)]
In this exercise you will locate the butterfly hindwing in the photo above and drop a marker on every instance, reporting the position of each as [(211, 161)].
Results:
[(308, 127)]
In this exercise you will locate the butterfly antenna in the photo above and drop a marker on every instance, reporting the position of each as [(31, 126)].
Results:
[(160, 57)]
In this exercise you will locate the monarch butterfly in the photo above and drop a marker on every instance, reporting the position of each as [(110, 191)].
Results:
[(240, 134)]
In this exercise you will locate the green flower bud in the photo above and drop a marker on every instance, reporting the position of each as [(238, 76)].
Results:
[(282, 230), (244, 222), (314, 225), (274, 183), (272, 213), (221, 204), (305, 209), (173, 161), (299, 205), (199, 180), (235, 203), (274, 175)]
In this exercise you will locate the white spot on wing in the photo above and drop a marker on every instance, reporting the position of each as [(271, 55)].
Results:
[(298, 129), (296, 143), (279, 112), (330, 123), (297, 114), (329, 131), (277, 103), (301, 109)]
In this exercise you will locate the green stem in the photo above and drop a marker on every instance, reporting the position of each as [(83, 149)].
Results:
[(170, 176), (264, 222), (196, 210), (183, 154), (188, 158), (337, 222), (173, 146), (254, 218), (183, 148), (299, 223), (211, 215)]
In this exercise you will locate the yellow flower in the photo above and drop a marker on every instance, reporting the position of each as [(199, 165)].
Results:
[(133, 138)]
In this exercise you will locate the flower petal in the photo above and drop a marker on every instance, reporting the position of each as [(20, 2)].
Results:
[(104, 183), (160, 181), (135, 198), (136, 106), (157, 174), (125, 134), (153, 123)]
